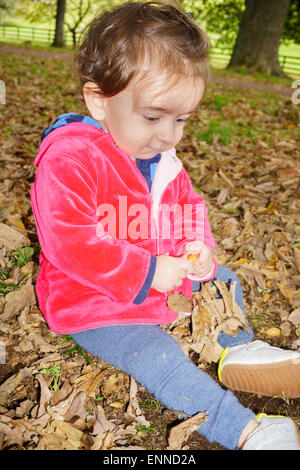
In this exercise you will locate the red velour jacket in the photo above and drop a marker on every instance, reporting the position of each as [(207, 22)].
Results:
[(98, 226)]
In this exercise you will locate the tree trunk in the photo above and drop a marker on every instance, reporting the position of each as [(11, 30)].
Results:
[(59, 39), (259, 36)]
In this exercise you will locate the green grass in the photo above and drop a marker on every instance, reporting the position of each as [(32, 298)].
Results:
[(20, 257), (243, 72), (23, 256), (54, 372), (151, 404), (224, 131), (258, 321), (35, 45)]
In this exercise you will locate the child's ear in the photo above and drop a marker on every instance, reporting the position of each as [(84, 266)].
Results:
[(94, 101)]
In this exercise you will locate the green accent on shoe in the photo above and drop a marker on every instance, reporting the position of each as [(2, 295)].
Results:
[(222, 357), (259, 415)]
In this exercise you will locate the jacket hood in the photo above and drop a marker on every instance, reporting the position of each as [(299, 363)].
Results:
[(92, 128)]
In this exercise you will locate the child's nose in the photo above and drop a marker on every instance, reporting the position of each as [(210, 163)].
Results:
[(166, 134)]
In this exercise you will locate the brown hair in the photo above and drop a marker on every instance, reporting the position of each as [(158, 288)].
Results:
[(118, 43)]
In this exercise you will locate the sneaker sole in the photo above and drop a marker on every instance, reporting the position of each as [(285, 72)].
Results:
[(282, 379)]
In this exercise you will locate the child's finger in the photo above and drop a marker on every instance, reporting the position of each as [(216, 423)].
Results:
[(194, 247), (186, 265)]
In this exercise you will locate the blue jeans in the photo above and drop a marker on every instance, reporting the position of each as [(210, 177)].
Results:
[(155, 360)]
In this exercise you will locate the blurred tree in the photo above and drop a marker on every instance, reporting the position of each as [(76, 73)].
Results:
[(5, 8), (77, 14), (70, 14), (59, 37), (259, 36), (219, 18), (80, 12), (291, 31), (228, 22), (41, 11)]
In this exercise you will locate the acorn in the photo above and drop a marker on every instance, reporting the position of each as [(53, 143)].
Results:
[(273, 332), (193, 257)]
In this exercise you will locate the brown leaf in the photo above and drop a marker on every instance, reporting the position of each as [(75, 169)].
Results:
[(88, 381), (179, 434), (101, 424), (46, 396), (133, 409), (180, 303), (7, 387), (14, 431), (68, 436), (286, 328), (297, 258), (211, 351), (294, 317), (62, 393), (12, 239), (18, 300), (24, 408)]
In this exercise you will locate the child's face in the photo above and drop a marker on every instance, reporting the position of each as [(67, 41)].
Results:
[(148, 117)]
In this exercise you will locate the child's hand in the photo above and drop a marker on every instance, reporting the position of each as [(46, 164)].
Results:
[(203, 265), (170, 272)]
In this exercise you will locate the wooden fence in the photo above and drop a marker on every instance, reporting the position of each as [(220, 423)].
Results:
[(290, 64), (31, 34), (220, 56)]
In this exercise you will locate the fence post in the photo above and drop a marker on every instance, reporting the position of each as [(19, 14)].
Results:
[(283, 63)]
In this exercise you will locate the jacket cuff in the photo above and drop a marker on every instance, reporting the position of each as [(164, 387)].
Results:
[(209, 276), (142, 295)]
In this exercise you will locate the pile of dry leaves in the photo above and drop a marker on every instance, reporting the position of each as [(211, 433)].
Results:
[(212, 310), (45, 411), (241, 151)]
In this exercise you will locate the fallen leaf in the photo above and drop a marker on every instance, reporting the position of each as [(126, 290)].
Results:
[(15, 431), (133, 410), (179, 434), (24, 408), (294, 317), (45, 398), (7, 387), (100, 424), (297, 258), (179, 303), (12, 239), (89, 380), (286, 328), (18, 300)]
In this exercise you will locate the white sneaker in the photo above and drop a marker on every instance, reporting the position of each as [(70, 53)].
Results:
[(273, 433), (260, 368)]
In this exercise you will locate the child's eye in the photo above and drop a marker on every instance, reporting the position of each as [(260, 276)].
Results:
[(151, 118), (181, 120)]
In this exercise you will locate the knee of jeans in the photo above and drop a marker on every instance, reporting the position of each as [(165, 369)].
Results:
[(162, 355), (226, 274)]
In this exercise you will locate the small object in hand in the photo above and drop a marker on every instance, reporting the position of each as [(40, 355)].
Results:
[(193, 257)]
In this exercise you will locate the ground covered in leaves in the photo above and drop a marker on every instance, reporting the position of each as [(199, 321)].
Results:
[(241, 150)]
